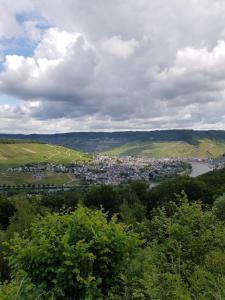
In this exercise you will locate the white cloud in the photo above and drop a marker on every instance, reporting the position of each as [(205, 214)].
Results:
[(200, 59), (10, 27), (117, 64), (121, 48), (62, 63), (197, 73), (56, 44)]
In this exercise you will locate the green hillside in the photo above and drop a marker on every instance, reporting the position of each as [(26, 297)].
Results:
[(204, 148), (24, 153), (97, 142)]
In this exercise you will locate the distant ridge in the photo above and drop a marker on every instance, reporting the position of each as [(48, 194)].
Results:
[(105, 141), (19, 141)]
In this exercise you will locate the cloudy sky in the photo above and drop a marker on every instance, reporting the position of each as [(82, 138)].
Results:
[(98, 65)]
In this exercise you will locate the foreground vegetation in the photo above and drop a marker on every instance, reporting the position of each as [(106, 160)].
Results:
[(124, 242), (13, 154)]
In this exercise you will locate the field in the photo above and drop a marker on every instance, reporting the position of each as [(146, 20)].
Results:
[(19, 178), (205, 148), (26, 153)]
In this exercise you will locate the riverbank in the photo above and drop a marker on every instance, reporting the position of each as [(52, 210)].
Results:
[(199, 168)]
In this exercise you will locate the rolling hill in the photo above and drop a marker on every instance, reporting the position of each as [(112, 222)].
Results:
[(204, 148), (160, 143), (19, 153)]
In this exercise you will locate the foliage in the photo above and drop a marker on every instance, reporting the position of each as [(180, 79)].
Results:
[(219, 207), (166, 192), (18, 141), (74, 256), (185, 252), (103, 196), (61, 200), (26, 211), (215, 181), (132, 213), (175, 251), (7, 210)]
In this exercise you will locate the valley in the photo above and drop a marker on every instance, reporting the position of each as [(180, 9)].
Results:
[(24, 162)]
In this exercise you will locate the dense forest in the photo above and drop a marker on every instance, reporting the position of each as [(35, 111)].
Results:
[(19, 141), (116, 242)]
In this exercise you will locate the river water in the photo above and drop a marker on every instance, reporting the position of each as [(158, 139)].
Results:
[(199, 168)]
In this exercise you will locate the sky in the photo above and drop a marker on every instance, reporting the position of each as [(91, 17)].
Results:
[(103, 65)]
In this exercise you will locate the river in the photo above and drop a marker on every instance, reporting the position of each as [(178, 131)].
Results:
[(199, 168)]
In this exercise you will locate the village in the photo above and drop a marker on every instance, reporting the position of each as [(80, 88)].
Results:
[(112, 170)]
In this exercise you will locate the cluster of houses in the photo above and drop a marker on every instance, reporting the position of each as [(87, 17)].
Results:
[(219, 163), (114, 170), (111, 170), (38, 170), (41, 167)]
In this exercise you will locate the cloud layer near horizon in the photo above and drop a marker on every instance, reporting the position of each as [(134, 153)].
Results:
[(112, 65)]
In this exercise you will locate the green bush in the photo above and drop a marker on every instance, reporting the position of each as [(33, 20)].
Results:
[(75, 256), (185, 251), (219, 207)]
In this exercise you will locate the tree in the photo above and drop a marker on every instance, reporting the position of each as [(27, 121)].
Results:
[(104, 196), (184, 251), (164, 193), (7, 209), (61, 200), (219, 207), (26, 211)]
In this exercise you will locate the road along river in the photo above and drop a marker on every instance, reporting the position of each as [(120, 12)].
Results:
[(199, 168)]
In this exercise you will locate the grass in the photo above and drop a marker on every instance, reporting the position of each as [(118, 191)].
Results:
[(19, 178), (26, 153), (205, 148)]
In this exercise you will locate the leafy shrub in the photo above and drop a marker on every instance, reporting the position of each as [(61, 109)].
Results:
[(184, 251), (219, 206), (75, 256)]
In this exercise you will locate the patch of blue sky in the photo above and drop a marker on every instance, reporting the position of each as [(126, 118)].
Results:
[(23, 45), (19, 46), (5, 99), (33, 16), (15, 46)]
